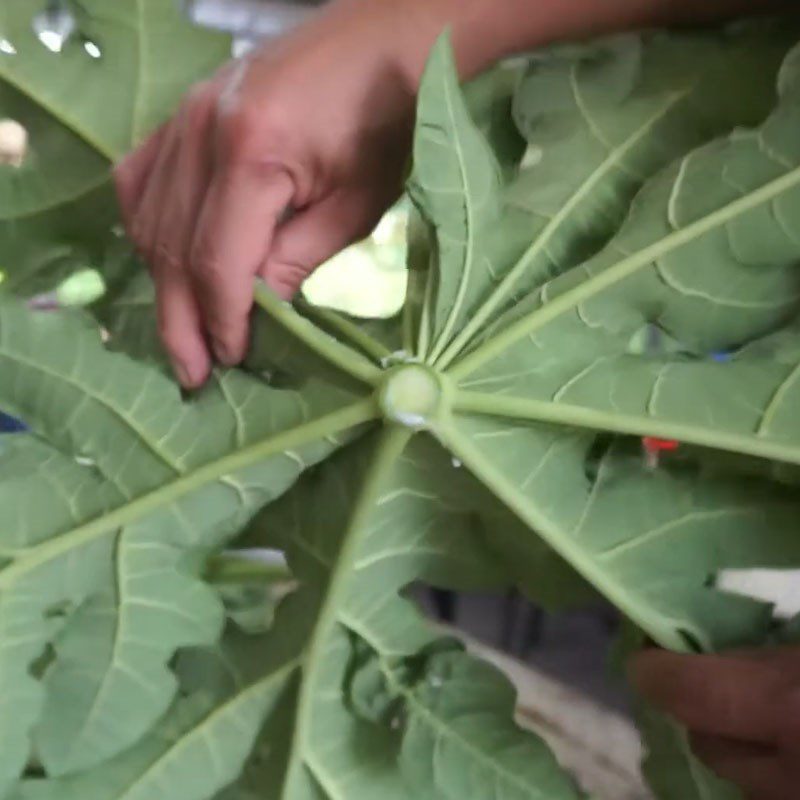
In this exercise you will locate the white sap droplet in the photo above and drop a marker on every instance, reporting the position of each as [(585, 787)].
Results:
[(13, 143), (85, 461), (92, 49), (396, 723), (457, 463), (7, 48), (436, 681)]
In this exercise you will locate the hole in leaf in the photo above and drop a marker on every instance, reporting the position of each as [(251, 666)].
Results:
[(39, 666), (59, 610), (9, 424)]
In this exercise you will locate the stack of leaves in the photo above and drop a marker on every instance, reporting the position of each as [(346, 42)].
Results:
[(488, 436)]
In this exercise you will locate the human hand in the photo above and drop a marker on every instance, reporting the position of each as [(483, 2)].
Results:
[(742, 712), (318, 125)]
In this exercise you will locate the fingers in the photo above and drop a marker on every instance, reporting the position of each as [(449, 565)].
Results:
[(734, 696), (314, 236), (132, 173), (180, 327), (179, 316), (760, 771), (147, 219), (241, 210)]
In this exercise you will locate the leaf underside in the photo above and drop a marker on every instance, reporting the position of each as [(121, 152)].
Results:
[(657, 200)]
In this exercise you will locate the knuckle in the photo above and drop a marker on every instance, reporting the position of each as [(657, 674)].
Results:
[(207, 268), (165, 258), (198, 104), (247, 130), (287, 277), (238, 130)]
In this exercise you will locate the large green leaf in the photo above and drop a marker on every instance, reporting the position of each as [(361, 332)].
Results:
[(375, 690), (599, 122), (82, 114), (201, 744), (513, 402), (455, 185), (140, 481)]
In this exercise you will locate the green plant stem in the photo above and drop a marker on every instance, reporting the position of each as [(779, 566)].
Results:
[(564, 215), (388, 449), (523, 409), (335, 322), (233, 568), (621, 270), (335, 353), (411, 312), (573, 552), (426, 317), (331, 424)]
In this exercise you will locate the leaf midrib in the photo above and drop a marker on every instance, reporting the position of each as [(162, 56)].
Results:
[(201, 728), (77, 129), (444, 729), (460, 445), (387, 450), (349, 417), (500, 293), (469, 213), (331, 350), (548, 412), (622, 269), (120, 413)]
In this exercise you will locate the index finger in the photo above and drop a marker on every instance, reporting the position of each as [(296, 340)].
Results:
[(131, 174), (732, 696), (235, 229)]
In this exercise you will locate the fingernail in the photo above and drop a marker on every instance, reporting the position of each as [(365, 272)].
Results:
[(183, 374), (221, 352)]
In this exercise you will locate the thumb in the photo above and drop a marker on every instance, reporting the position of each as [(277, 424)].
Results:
[(314, 236)]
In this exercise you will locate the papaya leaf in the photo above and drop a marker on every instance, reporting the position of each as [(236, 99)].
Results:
[(57, 208), (633, 275)]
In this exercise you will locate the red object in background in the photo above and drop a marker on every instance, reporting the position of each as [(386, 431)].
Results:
[(659, 445), (653, 448)]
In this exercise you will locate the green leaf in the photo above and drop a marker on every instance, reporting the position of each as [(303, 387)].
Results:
[(739, 228), (454, 184), (136, 492), (671, 768), (371, 672), (599, 122), (57, 209), (560, 309), (199, 747)]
